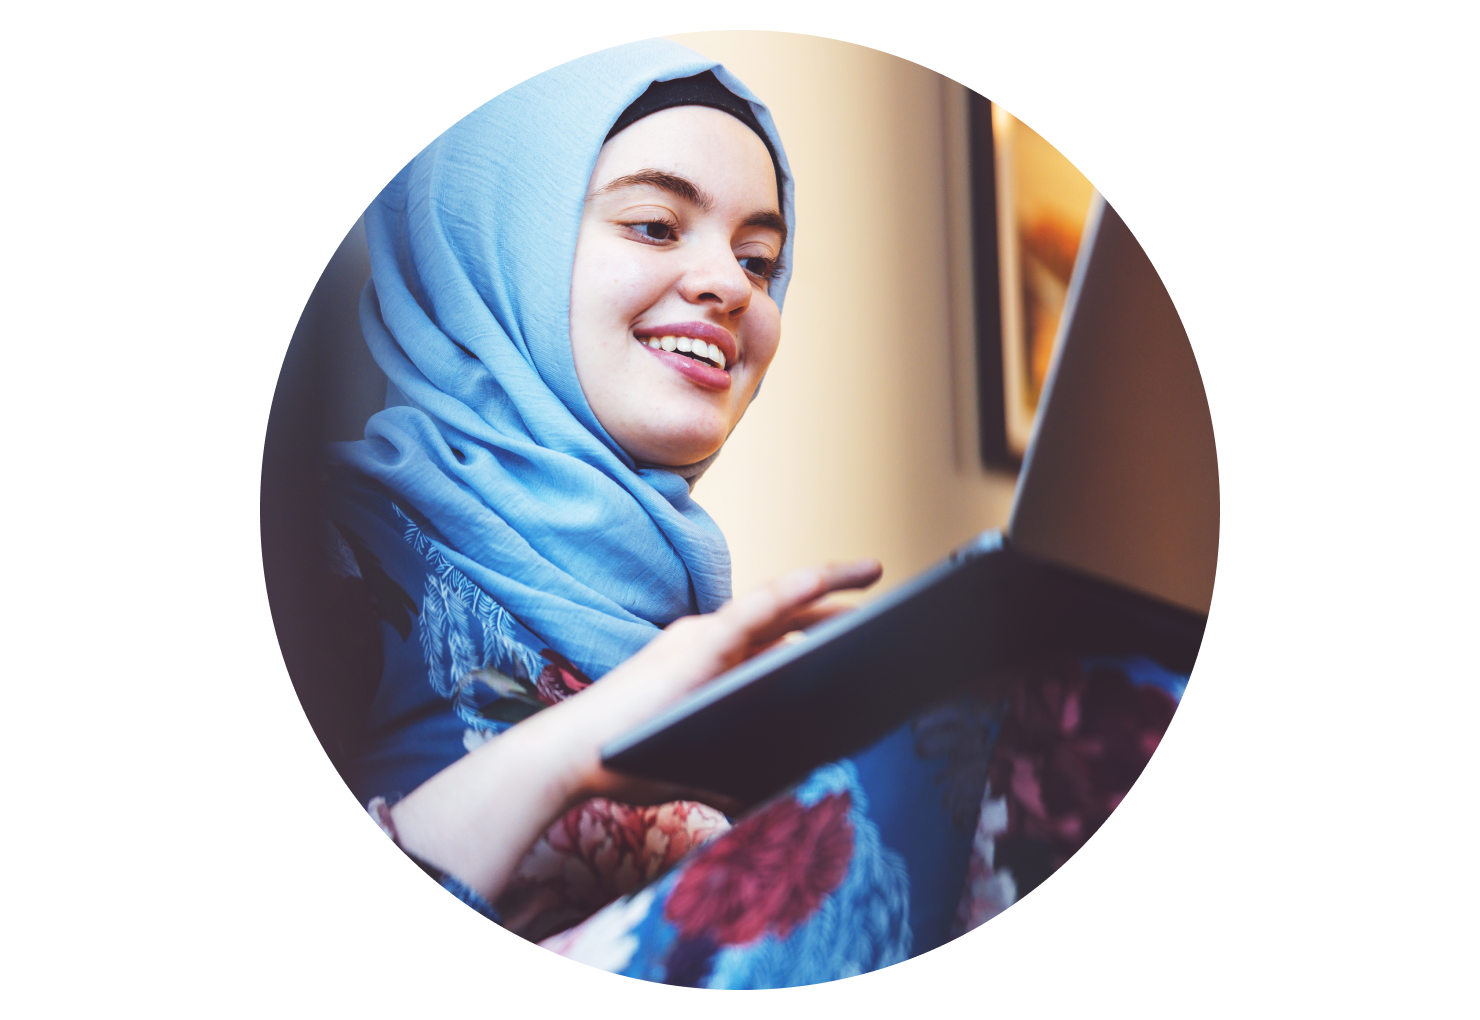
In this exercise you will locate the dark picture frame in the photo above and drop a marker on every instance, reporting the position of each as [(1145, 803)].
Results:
[(990, 380), (1029, 205)]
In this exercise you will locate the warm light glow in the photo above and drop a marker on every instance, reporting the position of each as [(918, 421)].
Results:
[(851, 448), (1042, 203), (1001, 120)]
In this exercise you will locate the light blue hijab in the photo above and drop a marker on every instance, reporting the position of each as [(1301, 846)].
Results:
[(493, 443)]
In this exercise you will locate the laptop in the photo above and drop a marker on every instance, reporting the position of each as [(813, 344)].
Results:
[(1110, 549)]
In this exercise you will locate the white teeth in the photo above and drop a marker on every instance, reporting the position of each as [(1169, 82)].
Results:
[(687, 345)]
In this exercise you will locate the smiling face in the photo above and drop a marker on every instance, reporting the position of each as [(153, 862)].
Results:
[(671, 323)]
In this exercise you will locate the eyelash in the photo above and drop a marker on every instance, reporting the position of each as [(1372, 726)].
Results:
[(773, 266)]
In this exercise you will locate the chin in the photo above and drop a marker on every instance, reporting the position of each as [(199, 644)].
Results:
[(680, 436), (680, 458), (679, 447)]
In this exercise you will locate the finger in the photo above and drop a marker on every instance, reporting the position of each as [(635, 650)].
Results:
[(799, 619), (857, 574), (768, 604), (762, 649), (841, 576)]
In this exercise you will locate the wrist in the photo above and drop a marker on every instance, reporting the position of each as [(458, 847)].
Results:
[(475, 819), (560, 747), (382, 810)]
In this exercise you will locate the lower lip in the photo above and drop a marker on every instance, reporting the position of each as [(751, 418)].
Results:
[(696, 372)]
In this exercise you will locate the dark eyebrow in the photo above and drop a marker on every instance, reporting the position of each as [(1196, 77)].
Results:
[(770, 220), (687, 190), (682, 187)]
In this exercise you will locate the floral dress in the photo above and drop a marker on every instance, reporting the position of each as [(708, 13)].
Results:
[(933, 830)]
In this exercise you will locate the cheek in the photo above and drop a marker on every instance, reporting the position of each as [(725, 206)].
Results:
[(611, 286), (763, 332)]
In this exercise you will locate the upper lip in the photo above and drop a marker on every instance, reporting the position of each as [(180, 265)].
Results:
[(717, 335)]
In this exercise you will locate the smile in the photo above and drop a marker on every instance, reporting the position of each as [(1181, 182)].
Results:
[(699, 350)]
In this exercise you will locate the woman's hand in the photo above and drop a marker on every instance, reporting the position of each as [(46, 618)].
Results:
[(695, 649), (477, 817)]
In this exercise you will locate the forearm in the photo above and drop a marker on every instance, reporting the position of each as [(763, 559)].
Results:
[(477, 818)]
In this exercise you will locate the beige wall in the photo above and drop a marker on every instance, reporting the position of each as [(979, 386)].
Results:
[(862, 440)]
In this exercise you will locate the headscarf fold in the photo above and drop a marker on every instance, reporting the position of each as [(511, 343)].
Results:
[(493, 443)]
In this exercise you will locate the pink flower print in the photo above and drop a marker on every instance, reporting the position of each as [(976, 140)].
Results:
[(560, 679), (1072, 744), (597, 852), (768, 874)]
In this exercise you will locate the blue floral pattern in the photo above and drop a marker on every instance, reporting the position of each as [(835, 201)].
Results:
[(463, 632), (938, 827)]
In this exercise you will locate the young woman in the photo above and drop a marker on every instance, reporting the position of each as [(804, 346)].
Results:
[(575, 294)]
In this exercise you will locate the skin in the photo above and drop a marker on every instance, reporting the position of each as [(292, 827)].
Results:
[(716, 241), (472, 821), (709, 184)]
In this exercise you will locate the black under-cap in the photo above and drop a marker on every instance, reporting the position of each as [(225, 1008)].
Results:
[(702, 89)]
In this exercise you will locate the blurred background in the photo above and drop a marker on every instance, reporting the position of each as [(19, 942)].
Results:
[(935, 239)]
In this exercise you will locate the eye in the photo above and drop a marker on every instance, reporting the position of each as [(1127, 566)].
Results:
[(759, 265), (657, 231)]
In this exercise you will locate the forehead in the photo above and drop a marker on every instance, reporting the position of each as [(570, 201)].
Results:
[(705, 145)]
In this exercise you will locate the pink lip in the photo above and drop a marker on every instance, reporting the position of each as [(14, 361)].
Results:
[(717, 335), (700, 373)]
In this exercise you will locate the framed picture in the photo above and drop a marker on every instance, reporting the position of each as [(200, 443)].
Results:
[(1029, 209)]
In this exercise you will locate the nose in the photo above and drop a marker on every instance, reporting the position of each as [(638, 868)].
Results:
[(715, 279)]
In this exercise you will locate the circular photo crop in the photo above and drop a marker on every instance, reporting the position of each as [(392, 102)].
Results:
[(739, 511)]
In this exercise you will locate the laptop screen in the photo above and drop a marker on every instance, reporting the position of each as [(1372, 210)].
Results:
[(1121, 476)]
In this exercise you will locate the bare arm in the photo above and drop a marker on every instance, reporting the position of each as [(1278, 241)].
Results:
[(476, 818)]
